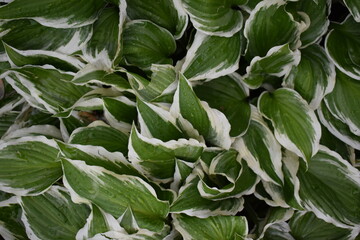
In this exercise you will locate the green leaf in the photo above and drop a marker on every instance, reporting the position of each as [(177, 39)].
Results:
[(259, 148), (330, 187), (190, 202), (270, 25), (317, 12), (342, 44), (212, 56), (120, 112), (45, 87), (29, 165), (104, 46), (342, 102), (296, 126), (354, 8), (228, 95), (165, 13), (156, 122), (100, 134), (98, 156), (274, 216), (196, 117), (227, 177), (91, 74), (146, 43), (41, 57), (305, 225), (214, 17), (48, 131), (156, 159), (278, 231), (6, 120), (162, 82), (97, 222), (338, 128), (55, 13), (63, 40), (314, 77), (115, 193), (217, 227), (277, 62), (11, 226), (53, 215)]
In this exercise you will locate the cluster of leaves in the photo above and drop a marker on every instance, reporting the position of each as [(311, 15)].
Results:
[(179, 119)]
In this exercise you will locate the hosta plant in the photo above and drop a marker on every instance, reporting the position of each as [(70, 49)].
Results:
[(180, 119)]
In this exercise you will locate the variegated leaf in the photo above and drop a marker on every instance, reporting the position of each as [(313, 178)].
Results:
[(354, 8), (55, 13), (215, 17), (212, 56), (260, 26), (29, 165), (314, 77), (145, 43), (211, 228), (277, 62), (52, 215), (196, 117), (228, 95), (342, 45), (343, 101), (296, 125), (114, 193), (329, 188)]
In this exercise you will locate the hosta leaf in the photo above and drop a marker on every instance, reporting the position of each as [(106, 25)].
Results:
[(98, 156), (227, 177), (29, 165), (59, 14), (48, 131), (215, 17), (342, 102), (354, 8), (11, 226), (217, 227), (270, 21), (305, 225), (317, 12), (91, 74), (162, 82), (296, 126), (157, 159), (157, 122), (100, 134), (69, 124), (6, 120), (115, 193), (97, 222), (146, 43), (259, 148), (64, 40), (228, 95), (104, 46), (278, 231), (209, 122), (342, 44), (45, 88), (277, 62), (120, 112), (165, 13), (53, 215), (337, 127), (212, 56), (42, 57), (330, 187), (274, 216), (314, 77), (192, 203)]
